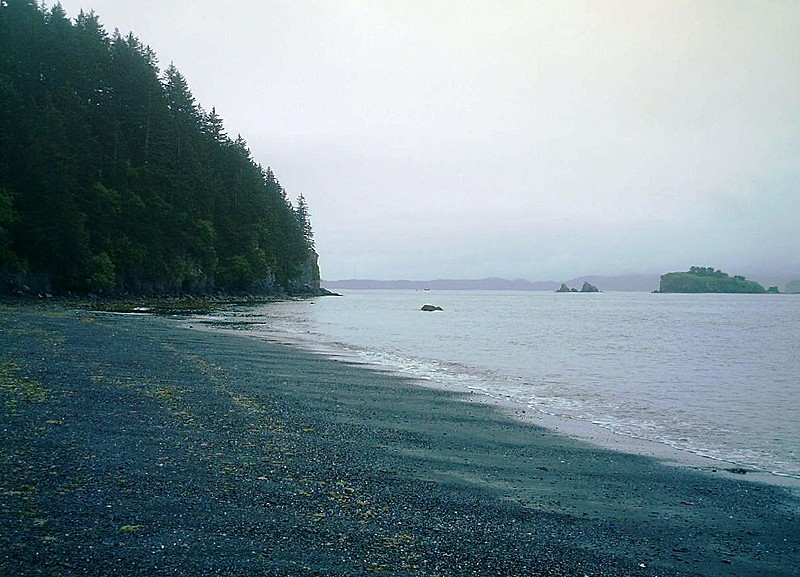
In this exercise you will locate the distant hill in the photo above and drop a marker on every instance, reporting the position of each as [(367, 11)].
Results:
[(442, 284), (611, 283)]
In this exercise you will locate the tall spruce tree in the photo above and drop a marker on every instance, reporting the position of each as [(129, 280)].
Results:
[(114, 179)]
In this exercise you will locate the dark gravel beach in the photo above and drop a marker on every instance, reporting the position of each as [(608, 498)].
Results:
[(134, 446)]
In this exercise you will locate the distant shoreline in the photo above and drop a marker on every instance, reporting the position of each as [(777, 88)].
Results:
[(622, 283), (635, 283)]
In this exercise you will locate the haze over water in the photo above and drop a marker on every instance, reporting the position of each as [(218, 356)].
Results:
[(716, 375), (534, 139)]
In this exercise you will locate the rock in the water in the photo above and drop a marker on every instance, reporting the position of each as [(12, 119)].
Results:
[(564, 288), (429, 308), (589, 288)]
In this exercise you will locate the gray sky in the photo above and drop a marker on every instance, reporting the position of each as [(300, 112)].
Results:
[(533, 139)]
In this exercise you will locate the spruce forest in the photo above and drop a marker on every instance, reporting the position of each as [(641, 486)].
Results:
[(114, 180)]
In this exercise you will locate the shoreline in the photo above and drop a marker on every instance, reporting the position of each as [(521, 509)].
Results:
[(599, 436), (133, 446), (608, 439), (605, 438)]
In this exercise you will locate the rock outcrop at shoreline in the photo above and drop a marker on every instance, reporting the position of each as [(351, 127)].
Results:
[(586, 288)]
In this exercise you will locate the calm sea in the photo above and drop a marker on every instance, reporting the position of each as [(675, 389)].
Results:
[(715, 375)]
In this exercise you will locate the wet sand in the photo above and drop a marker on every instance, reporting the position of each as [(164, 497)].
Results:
[(134, 446)]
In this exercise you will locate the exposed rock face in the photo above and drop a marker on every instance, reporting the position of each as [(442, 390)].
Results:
[(194, 282), (431, 308), (307, 282), (564, 288)]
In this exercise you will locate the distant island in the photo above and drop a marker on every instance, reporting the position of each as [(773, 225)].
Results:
[(586, 288), (700, 279)]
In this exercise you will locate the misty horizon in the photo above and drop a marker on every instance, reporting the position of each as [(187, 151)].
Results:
[(630, 282), (517, 140)]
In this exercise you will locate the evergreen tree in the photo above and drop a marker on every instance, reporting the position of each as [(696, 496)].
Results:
[(114, 179), (304, 219)]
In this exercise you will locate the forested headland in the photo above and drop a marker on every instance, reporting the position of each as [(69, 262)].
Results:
[(114, 180)]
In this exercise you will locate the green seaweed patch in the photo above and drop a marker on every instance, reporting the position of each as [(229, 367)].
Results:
[(24, 490), (166, 394), (131, 528), (158, 307), (53, 338), (124, 383), (175, 305), (68, 488), (18, 389)]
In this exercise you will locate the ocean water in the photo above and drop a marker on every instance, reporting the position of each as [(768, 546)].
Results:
[(714, 375)]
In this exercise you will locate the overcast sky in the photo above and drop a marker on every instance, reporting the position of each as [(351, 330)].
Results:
[(541, 140)]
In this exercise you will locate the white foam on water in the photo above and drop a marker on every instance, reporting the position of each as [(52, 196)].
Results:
[(709, 375)]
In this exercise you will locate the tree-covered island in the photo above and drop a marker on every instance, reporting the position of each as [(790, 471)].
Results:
[(700, 279), (114, 180)]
